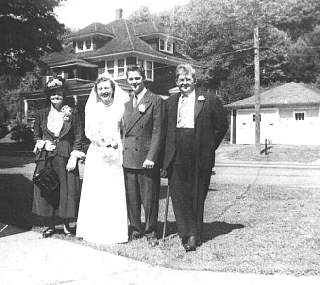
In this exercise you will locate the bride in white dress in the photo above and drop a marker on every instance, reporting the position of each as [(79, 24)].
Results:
[(102, 214)]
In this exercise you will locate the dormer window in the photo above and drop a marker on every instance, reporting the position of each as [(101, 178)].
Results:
[(166, 45), (162, 45), (83, 45)]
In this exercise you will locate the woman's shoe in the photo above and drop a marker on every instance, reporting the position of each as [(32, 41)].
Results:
[(48, 232), (66, 231)]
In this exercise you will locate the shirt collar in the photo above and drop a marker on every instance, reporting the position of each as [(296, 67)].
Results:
[(54, 110), (190, 95), (141, 94)]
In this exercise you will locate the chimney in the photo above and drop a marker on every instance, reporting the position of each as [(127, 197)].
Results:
[(118, 14)]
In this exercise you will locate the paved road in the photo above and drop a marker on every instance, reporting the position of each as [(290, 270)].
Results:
[(225, 173), (245, 174)]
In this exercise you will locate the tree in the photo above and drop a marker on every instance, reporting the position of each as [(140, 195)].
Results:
[(237, 86), (141, 15), (28, 29), (304, 61)]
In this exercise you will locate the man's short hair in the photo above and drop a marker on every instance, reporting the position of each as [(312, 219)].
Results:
[(186, 68), (138, 68)]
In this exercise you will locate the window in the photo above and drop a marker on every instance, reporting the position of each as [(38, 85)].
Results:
[(166, 45), (161, 45), (169, 46), (299, 116), (149, 70), (88, 44), (140, 62), (110, 67), (80, 45), (121, 67), (131, 60), (83, 45)]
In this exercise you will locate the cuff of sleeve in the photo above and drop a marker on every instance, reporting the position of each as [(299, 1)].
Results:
[(77, 154)]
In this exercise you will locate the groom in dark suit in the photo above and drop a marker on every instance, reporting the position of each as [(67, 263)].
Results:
[(142, 133), (196, 125)]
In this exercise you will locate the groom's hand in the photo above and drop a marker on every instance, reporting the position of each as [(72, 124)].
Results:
[(148, 164)]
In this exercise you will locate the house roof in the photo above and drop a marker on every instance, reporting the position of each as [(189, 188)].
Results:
[(151, 28), (74, 62), (125, 41), (93, 29), (284, 95)]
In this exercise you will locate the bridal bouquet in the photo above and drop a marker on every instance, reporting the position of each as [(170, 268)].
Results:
[(108, 147)]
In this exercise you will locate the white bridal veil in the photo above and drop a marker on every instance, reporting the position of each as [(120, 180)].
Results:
[(95, 109)]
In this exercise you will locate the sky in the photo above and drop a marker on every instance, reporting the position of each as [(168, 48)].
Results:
[(77, 14)]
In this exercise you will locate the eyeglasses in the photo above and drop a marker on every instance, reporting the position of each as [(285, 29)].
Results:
[(134, 78)]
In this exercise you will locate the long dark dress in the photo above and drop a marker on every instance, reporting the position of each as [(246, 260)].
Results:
[(69, 139)]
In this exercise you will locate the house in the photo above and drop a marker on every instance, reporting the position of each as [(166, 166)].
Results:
[(290, 114), (110, 48)]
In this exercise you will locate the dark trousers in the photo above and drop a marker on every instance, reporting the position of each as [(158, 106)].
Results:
[(142, 187), (188, 185)]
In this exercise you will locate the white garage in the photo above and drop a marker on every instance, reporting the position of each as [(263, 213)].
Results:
[(290, 114)]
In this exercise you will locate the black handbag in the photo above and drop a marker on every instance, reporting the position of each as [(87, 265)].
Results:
[(47, 180)]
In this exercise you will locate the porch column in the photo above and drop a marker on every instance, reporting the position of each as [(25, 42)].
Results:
[(25, 108), (75, 73), (75, 98), (233, 126)]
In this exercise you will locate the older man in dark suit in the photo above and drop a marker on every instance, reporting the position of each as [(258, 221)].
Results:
[(196, 125), (142, 133)]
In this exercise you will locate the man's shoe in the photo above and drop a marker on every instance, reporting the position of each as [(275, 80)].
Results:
[(135, 236), (152, 239), (191, 244), (48, 232)]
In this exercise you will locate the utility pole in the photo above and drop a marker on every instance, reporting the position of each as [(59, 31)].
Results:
[(257, 87)]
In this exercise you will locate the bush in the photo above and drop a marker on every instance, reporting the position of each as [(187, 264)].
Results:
[(22, 133), (3, 130)]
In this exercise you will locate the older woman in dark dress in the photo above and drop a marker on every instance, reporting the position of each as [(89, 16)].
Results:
[(59, 131)]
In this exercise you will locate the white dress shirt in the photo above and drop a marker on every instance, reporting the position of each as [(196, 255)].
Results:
[(138, 97), (185, 116), (55, 121)]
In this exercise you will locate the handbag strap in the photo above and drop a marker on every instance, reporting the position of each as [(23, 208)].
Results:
[(45, 158)]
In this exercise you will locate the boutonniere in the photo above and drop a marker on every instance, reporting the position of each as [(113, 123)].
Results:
[(142, 108), (201, 98), (67, 111)]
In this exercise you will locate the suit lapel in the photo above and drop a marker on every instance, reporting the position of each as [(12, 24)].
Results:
[(174, 110), (136, 114), (197, 106), (65, 128)]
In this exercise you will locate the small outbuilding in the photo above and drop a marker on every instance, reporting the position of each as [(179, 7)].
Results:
[(290, 114)]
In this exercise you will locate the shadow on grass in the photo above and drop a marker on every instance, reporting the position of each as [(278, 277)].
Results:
[(16, 197), (15, 161), (214, 229), (16, 194), (210, 230)]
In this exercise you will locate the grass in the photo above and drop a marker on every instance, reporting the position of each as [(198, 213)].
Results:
[(275, 153), (248, 228), (259, 229)]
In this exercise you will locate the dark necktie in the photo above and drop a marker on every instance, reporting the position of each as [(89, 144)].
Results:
[(134, 101)]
